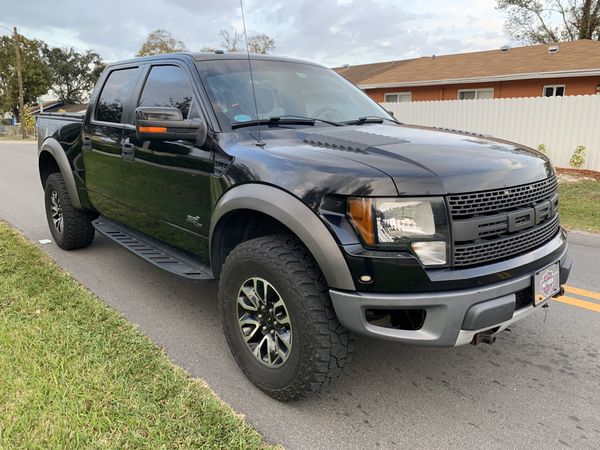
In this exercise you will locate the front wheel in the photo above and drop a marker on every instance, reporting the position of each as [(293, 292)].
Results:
[(279, 320)]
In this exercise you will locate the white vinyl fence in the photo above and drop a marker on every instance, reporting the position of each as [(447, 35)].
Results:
[(560, 123)]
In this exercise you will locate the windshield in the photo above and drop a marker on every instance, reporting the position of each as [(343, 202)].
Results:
[(282, 89)]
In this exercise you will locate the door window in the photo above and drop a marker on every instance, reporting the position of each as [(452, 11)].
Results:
[(114, 95), (167, 86)]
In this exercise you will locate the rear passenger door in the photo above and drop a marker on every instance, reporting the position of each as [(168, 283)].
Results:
[(167, 183), (102, 140)]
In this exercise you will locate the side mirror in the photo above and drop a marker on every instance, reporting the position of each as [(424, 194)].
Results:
[(166, 124)]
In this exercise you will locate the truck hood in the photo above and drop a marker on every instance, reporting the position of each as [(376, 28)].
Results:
[(424, 161)]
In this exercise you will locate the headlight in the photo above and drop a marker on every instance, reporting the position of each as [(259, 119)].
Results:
[(415, 224)]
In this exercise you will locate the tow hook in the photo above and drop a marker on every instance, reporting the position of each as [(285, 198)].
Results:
[(487, 337)]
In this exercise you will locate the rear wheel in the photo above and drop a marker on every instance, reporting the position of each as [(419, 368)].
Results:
[(71, 228), (279, 320)]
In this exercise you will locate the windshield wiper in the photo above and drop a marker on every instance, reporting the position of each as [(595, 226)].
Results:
[(370, 119), (329, 122), (283, 120), (272, 121)]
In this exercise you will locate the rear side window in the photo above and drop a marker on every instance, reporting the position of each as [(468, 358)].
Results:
[(114, 95), (167, 86)]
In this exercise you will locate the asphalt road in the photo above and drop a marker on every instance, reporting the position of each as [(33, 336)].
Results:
[(537, 387)]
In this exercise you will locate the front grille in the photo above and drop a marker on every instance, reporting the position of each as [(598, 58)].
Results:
[(499, 224), (505, 247), (491, 202)]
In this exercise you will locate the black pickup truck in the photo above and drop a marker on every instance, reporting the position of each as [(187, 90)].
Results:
[(320, 215)]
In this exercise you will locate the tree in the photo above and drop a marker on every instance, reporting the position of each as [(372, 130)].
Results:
[(74, 74), (35, 72), (261, 43), (160, 41), (234, 42), (231, 41), (551, 21)]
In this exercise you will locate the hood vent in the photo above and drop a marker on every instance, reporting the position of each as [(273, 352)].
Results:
[(350, 140)]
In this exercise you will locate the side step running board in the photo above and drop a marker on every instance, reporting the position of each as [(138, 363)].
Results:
[(155, 252)]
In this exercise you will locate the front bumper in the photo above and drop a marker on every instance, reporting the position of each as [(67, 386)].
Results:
[(452, 317)]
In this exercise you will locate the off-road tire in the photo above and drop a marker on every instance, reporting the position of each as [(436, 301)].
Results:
[(321, 348), (77, 230)]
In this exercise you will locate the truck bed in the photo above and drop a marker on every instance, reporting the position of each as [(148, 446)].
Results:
[(63, 126), (77, 117)]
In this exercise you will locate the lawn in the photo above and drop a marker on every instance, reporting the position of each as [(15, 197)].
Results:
[(580, 204), (76, 374)]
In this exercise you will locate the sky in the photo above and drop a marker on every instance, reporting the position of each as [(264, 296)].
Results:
[(329, 32)]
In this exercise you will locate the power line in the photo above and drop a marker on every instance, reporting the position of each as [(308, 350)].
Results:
[(19, 77)]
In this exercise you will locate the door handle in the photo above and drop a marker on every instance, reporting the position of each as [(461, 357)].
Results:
[(128, 150)]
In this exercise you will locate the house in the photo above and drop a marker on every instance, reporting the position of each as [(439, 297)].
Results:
[(566, 68), (58, 106)]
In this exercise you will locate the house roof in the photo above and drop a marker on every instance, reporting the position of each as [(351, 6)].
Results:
[(58, 106), (357, 74), (575, 58), (47, 104)]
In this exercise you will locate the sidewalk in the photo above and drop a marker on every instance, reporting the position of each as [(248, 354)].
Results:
[(11, 140), (581, 237)]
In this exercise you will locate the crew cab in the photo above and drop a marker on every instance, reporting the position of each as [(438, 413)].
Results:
[(321, 216)]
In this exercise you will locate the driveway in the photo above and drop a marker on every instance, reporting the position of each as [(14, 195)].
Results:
[(537, 387)]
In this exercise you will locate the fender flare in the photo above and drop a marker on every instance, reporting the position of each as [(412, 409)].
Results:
[(52, 147), (295, 215)]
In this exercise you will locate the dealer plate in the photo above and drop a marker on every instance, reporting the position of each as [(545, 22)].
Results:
[(546, 283)]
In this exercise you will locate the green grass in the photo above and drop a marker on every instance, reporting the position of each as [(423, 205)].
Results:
[(580, 205), (75, 374)]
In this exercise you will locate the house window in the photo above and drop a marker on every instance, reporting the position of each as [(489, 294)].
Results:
[(396, 97), (475, 94), (555, 90)]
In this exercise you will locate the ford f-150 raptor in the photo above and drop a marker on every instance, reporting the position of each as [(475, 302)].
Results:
[(320, 215)]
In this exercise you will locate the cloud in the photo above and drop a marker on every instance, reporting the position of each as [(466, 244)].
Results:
[(331, 32)]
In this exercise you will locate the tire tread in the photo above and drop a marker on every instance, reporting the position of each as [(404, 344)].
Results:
[(78, 230), (332, 345)]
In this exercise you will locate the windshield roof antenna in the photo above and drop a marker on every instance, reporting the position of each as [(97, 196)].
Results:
[(259, 142)]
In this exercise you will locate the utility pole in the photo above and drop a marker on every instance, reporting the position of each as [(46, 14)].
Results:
[(20, 81)]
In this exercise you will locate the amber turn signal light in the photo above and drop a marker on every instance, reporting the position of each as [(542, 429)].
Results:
[(152, 129), (360, 211)]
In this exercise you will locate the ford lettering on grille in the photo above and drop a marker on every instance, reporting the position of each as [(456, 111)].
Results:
[(494, 225)]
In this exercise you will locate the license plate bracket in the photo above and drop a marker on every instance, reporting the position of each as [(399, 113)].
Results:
[(546, 283)]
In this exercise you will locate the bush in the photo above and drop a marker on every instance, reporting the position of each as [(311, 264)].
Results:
[(28, 122), (578, 158)]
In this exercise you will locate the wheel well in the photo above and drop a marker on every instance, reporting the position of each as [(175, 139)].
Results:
[(47, 166), (239, 226)]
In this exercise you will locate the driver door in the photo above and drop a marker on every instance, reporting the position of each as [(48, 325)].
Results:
[(167, 183)]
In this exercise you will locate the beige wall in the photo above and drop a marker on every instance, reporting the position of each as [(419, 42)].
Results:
[(504, 89)]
